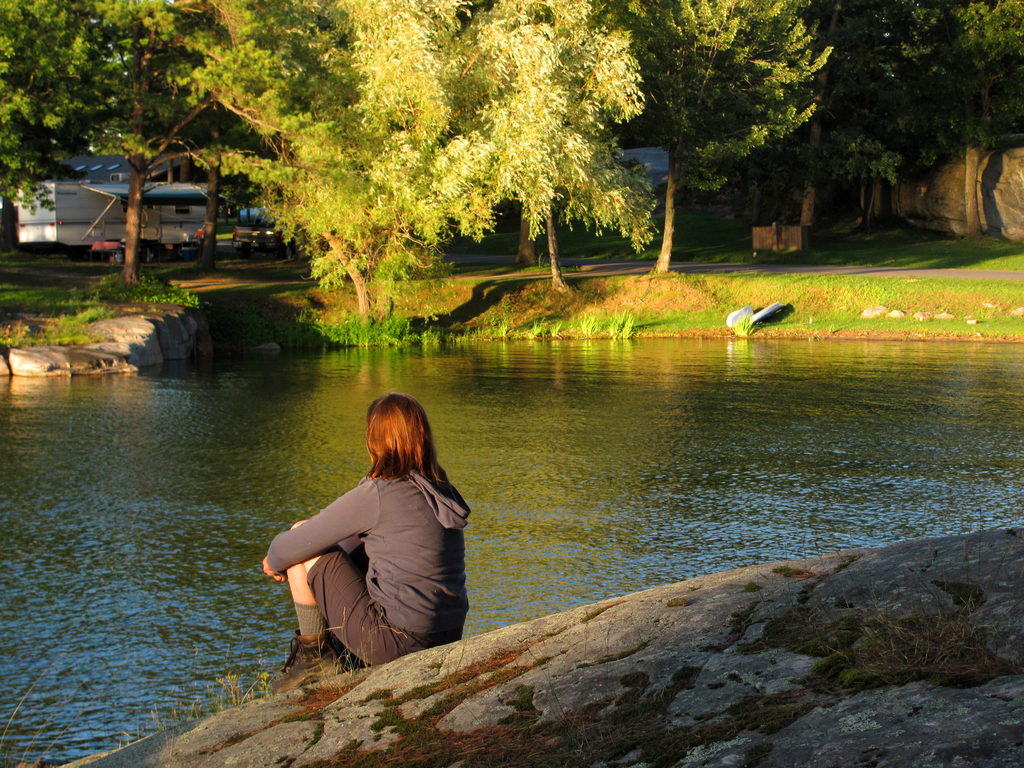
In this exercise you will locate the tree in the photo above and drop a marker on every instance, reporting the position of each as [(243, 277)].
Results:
[(365, 161), (911, 83), (412, 120), (551, 80), (722, 77), (150, 59), (47, 93), (814, 141), (859, 134), (215, 135)]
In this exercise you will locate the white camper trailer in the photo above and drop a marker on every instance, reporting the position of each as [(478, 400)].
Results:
[(84, 213)]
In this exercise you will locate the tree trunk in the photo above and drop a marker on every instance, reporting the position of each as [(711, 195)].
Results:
[(208, 259), (557, 281), (868, 203), (881, 200), (133, 222), (814, 141), (8, 225), (972, 158), (362, 290), (811, 188), (668, 234), (526, 254), (358, 279)]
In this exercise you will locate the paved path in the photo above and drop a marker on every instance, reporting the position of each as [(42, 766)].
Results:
[(609, 267)]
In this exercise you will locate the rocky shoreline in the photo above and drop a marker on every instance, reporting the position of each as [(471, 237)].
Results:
[(130, 342), (906, 655)]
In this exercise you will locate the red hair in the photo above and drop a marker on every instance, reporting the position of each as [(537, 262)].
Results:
[(399, 440)]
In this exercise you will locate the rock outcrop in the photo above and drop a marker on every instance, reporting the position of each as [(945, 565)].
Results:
[(131, 342), (937, 200), (908, 655)]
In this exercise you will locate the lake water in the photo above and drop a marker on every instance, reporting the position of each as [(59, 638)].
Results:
[(135, 510)]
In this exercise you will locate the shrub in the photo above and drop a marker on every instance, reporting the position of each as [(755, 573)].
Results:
[(150, 290)]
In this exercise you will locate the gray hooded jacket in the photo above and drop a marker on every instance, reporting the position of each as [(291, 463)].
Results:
[(412, 531)]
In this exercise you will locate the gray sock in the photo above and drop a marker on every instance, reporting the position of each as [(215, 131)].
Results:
[(311, 621)]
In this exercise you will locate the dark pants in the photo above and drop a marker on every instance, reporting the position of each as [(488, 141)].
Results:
[(338, 582)]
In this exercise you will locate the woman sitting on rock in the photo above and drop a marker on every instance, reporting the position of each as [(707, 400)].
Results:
[(383, 567)]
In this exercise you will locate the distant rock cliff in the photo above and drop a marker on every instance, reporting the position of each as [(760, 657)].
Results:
[(937, 200), (908, 655)]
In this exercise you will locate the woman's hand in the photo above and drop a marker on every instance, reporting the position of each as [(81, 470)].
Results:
[(271, 572)]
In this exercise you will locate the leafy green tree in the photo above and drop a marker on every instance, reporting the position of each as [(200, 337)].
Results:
[(48, 97), (364, 153), (411, 120), (552, 80), (722, 77), (860, 135), (152, 50), (217, 134)]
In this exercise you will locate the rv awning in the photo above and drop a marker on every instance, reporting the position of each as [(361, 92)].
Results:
[(155, 194)]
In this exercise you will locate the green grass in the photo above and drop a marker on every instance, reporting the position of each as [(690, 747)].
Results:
[(829, 305), (46, 300), (702, 237)]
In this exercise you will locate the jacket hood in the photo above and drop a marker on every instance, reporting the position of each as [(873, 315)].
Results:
[(450, 509)]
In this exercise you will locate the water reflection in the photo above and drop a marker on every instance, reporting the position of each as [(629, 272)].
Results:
[(136, 509)]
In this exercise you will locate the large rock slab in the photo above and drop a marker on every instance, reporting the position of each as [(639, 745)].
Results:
[(65, 361), (131, 342), (936, 201), (4, 368), (908, 655), (176, 335), (135, 336)]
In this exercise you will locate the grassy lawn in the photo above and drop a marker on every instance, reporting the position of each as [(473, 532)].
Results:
[(820, 306), (260, 299), (704, 238)]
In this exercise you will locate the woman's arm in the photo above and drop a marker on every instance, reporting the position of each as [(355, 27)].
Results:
[(354, 513)]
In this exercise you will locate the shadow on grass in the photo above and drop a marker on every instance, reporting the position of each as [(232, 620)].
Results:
[(485, 296)]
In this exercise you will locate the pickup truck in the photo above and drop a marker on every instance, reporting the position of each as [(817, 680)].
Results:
[(255, 232)]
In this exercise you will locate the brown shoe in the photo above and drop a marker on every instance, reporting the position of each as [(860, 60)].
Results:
[(311, 656)]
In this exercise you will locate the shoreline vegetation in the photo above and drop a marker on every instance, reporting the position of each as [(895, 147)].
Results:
[(50, 300)]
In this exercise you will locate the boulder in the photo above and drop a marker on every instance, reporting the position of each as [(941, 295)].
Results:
[(4, 368), (873, 312), (922, 315), (65, 361), (936, 201), (176, 334), (906, 655), (945, 316), (1017, 312), (177, 340), (897, 313), (135, 337)]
